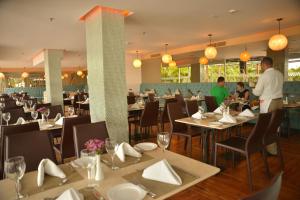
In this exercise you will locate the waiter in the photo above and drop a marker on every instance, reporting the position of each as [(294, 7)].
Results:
[(269, 89)]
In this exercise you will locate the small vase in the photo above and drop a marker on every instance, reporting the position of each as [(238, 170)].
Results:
[(99, 173)]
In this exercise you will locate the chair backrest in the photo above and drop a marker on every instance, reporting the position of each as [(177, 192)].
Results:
[(271, 133), (84, 132), (13, 130), (270, 192), (10, 104), (41, 105), (175, 112), (22, 145), (191, 107), (254, 141), (15, 114), (151, 97), (54, 110), (149, 115), (130, 100), (211, 103), (164, 116), (67, 141)]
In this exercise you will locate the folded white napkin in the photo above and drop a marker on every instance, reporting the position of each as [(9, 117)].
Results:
[(70, 194), (227, 118), (86, 101), (194, 98), (60, 121), (57, 117), (126, 149), (20, 120), (247, 113), (135, 106), (49, 167), (218, 110), (197, 115), (162, 171)]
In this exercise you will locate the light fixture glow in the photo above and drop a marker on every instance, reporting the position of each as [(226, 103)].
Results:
[(62, 77), (210, 52), (245, 55), (66, 75), (79, 73), (166, 58), (24, 75), (203, 60), (278, 41), (137, 63), (2, 76), (172, 64)]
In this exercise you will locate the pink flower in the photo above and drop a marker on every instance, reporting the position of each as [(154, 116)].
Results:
[(94, 145)]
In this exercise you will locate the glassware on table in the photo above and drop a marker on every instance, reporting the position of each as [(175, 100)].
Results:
[(71, 111), (6, 117), (163, 140), (34, 115), (2, 105), (111, 147), (14, 169), (30, 103), (47, 113), (201, 109), (90, 166)]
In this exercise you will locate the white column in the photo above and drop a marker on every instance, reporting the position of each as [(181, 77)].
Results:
[(52, 61), (106, 71)]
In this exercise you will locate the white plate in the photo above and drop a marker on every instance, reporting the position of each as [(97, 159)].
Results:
[(126, 191), (146, 146)]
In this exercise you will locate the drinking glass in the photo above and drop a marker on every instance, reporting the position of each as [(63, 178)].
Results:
[(90, 162), (111, 147), (6, 117), (14, 169), (34, 115), (47, 113), (30, 103), (163, 140), (2, 105), (201, 109), (71, 110)]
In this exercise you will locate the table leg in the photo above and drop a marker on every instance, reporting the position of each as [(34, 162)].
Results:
[(204, 145), (212, 145)]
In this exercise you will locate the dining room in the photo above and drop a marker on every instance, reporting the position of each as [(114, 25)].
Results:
[(141, 100)]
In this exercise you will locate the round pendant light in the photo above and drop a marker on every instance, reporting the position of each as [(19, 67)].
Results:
[(62, 77), (66, 75), (203, 60), (279, 41), (210, 52), (166, 58), (79, 73), (172, 64), (245, 55), (137, 63), (2, 76), (24, 75)]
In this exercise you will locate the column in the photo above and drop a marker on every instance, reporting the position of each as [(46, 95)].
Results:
[(52, 61), (106, 70), (280, 61), (195, 73)]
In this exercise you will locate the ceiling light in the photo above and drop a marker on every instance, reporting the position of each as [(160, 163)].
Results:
[(62, 77), (210, 51), (66, 75), (172, 64), (245, 55), (137, 63), (24, 75), (203, 60), (232, 11), (2, 76), (166, 58), (79, 73), (279, 41)]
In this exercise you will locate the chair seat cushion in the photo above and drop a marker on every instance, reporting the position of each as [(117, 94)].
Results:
[(235, 143)]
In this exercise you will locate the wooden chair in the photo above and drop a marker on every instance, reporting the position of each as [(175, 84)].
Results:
[(211, 103), (151, 97), (180, 129), (191, 107), (130, 99), (54, 110), (246, 147), (270, 192), (271, 135), (21, 144), (13, 130), (164, 118), (66, 147), (14, 115), (84, 132)]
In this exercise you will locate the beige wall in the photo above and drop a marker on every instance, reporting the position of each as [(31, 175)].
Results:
[(151, 70), (133, 75)]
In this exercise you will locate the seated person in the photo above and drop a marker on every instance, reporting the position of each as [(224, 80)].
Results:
[(219, 91), (241, 92)]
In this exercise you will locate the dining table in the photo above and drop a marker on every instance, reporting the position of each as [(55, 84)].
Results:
[(211, 125), (190, 171)]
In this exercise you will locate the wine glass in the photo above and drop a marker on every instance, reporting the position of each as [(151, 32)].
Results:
[(111, 147), (71, 110), (34, 115), (2, 105), (6, 117), (201, 109), (14, 169), (163, 140), (30, 103), (47, 113)]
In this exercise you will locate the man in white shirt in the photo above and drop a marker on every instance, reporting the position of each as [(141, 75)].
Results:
[(269, 89)]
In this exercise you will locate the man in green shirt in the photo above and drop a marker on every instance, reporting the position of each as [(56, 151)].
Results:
[(219, 91)]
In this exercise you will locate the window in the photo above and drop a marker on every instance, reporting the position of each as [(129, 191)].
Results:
[(214, 71), (180, 74), (294, 69)]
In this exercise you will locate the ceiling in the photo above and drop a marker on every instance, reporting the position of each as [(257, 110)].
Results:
[(26, 27)]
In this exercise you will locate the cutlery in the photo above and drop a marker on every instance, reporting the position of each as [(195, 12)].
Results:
[(106, 162)]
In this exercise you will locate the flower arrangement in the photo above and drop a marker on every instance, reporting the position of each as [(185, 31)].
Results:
[(95, 145)]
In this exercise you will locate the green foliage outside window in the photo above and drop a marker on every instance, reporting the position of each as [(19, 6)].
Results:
[(175, 74)]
